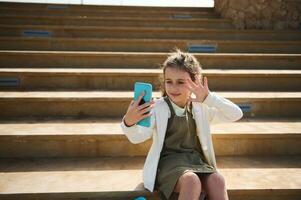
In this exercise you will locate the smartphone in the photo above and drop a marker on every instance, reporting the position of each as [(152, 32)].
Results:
[(139, 87)]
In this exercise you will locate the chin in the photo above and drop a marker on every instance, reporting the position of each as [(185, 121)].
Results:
[(177, 101), (174, 98)]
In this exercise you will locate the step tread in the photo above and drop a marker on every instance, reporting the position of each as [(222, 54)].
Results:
[(104, 53), (146, 72), (129, 94), (129, 40), (111, 127), (74, 7), (125, 174), (69, 175)]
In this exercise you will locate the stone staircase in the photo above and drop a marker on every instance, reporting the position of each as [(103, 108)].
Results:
[(66, 79)]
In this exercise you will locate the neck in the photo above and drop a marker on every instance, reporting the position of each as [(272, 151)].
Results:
[(181, 106)]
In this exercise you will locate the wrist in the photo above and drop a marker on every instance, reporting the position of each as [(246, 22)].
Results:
[(210, 99), (127, 123), (204, 98)]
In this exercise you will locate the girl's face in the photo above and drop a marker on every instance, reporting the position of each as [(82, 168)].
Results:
[(174, 82)]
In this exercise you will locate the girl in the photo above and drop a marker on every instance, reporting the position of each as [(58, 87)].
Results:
[(181, 161)]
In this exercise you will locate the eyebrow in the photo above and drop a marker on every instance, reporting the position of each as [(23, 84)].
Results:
[(176, 79)]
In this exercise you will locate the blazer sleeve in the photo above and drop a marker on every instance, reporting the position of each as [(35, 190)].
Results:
[(221, 110), (137, 134)]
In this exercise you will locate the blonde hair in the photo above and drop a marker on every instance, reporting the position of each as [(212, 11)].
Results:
[(183, 61)]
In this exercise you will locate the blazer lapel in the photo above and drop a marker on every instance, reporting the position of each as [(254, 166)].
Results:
[(161, 120), (202, 129)]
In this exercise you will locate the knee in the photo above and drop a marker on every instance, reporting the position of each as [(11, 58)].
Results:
[(216, 180), (191, 180)]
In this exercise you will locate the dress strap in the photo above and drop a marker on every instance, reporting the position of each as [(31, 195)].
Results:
[(169, 105), (189, 108)]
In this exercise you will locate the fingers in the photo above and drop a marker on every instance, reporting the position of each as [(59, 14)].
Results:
[(198, 80), (191, 82), (143, 106), (139, 98), (152, 102), (146, 106), (188, 86), (191, 86), (146, 112), (146, 115), (206, 82)]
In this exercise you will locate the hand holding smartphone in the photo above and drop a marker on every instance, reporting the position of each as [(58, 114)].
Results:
[(147, 89)]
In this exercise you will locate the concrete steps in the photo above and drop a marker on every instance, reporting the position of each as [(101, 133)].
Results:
[(144, 32), (247, 177), (145, 45), (75, 59), (84, 104), (71, 71), (100, 178), (103, 137), (116, 21), (74, 79)]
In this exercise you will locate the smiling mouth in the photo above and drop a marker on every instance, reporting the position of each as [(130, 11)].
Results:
[(175, 94)]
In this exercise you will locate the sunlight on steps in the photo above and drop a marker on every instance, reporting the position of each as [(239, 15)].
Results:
[(171, 3)]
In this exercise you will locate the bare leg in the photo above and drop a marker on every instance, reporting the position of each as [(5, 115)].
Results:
[(189, 186), (215, 186)]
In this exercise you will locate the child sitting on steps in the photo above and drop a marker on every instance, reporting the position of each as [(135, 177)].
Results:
[(181, 161)]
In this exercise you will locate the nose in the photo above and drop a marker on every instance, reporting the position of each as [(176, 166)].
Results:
[(175, 87)]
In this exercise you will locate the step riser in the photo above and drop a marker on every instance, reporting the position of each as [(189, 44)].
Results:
[(274, 194), (98, 32), (91, 146), (209, 61), (141, 46), (118, 22), (82, 195), (120, 81), (106, 13), (106, 107)]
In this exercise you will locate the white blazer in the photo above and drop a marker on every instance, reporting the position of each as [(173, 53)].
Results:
[(214, 109)]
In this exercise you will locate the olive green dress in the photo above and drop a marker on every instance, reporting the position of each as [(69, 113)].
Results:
[(181, 151)]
